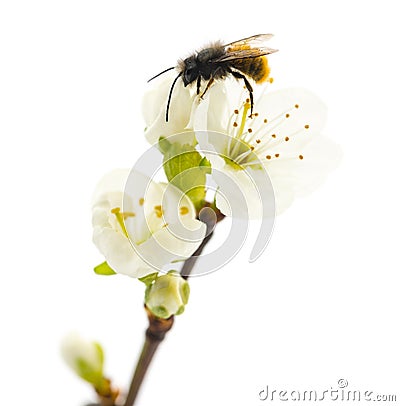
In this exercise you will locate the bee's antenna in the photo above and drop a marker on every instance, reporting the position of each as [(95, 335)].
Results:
[(170, 94), (159, 74)]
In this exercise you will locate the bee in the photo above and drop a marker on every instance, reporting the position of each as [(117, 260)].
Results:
[(242, 59)]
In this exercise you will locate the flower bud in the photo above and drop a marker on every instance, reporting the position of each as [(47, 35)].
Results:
[(168, 295), (85, 358)]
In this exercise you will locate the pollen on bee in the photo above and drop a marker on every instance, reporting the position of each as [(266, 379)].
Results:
[(268, 157), (141, 201), (286, 138), (183, 210), (301, 156), (235, 124), (306, 126)]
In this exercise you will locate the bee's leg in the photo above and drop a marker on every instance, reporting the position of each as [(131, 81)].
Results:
[(198, 84), (210, 82), (238, 75)]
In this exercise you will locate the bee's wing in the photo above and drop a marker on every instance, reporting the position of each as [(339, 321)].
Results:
[(255, 41), (234, 54), (251, 47)]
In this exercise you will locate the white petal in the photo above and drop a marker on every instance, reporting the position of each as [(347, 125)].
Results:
[(173, 199), (165, 247), (209, 113), (154, 98), (213, 145), (244, 193), (160, 222), (298, 177), (154, 109), (74, 348), (111, 182), (119, 253), (288, 112)]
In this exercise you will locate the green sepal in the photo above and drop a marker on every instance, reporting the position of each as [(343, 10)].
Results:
[(180, 310), (147, 293), (100, 353), (104, 269), (149, 279), (185, 292), (86, 372), (161, 312)]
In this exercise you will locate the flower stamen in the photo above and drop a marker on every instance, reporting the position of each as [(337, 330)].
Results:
[(243, 155), (183, 210), (121, 216), (158, 210)]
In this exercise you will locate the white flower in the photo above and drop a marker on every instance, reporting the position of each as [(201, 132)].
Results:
[(154, 106), (282, 138), (84, 357), (140, 225), (168, 295)]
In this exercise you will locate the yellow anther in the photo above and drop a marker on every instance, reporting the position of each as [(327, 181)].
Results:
[(183, 210), (158, 211)]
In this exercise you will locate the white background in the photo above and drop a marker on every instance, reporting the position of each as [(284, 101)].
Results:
[(323, 301)]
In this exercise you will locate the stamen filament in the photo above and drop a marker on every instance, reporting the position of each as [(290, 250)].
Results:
[(120, 218), (243, 156)]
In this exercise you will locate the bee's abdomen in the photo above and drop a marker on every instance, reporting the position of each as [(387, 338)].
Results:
[(256, 68)]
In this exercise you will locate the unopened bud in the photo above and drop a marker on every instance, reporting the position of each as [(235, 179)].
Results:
[(168, 295), (85, 358)]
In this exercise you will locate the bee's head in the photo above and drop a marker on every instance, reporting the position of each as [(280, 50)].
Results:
[(190, 71)]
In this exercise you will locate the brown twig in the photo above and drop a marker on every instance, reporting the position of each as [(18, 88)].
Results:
[(155, 334), (158, 327)]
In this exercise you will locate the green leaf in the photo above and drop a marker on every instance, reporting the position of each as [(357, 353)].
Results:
[(104, 269), (186, 169), (149, 279), (205, 165)]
